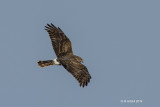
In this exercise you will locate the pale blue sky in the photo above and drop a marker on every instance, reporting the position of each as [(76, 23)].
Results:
[(119, 41)]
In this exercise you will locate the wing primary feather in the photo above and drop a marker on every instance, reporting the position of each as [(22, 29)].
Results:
[(53, 25), (80, 84), (60, 29), (83, 84), (49, 25)]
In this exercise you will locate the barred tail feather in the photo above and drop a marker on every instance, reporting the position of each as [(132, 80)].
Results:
[(46, 63)]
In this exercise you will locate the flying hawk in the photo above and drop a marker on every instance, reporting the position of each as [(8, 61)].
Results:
[(65, 57)]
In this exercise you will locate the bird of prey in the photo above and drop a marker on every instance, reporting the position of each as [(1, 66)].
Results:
[(65, 57)]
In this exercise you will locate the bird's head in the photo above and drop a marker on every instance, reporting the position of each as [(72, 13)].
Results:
[(79, 59)]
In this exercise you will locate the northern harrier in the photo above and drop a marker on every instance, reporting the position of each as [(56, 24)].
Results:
[(65, 57)]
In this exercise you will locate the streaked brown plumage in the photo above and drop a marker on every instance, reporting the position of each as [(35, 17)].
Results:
[(65, 57)]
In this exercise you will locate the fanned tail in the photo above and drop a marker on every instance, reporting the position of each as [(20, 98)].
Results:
[(46, 63)]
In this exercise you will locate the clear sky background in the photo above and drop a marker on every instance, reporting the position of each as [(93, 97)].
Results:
[(119, 41)]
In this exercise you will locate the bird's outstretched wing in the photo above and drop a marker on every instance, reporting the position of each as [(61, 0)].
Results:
[(60, 42), (78, 70)]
